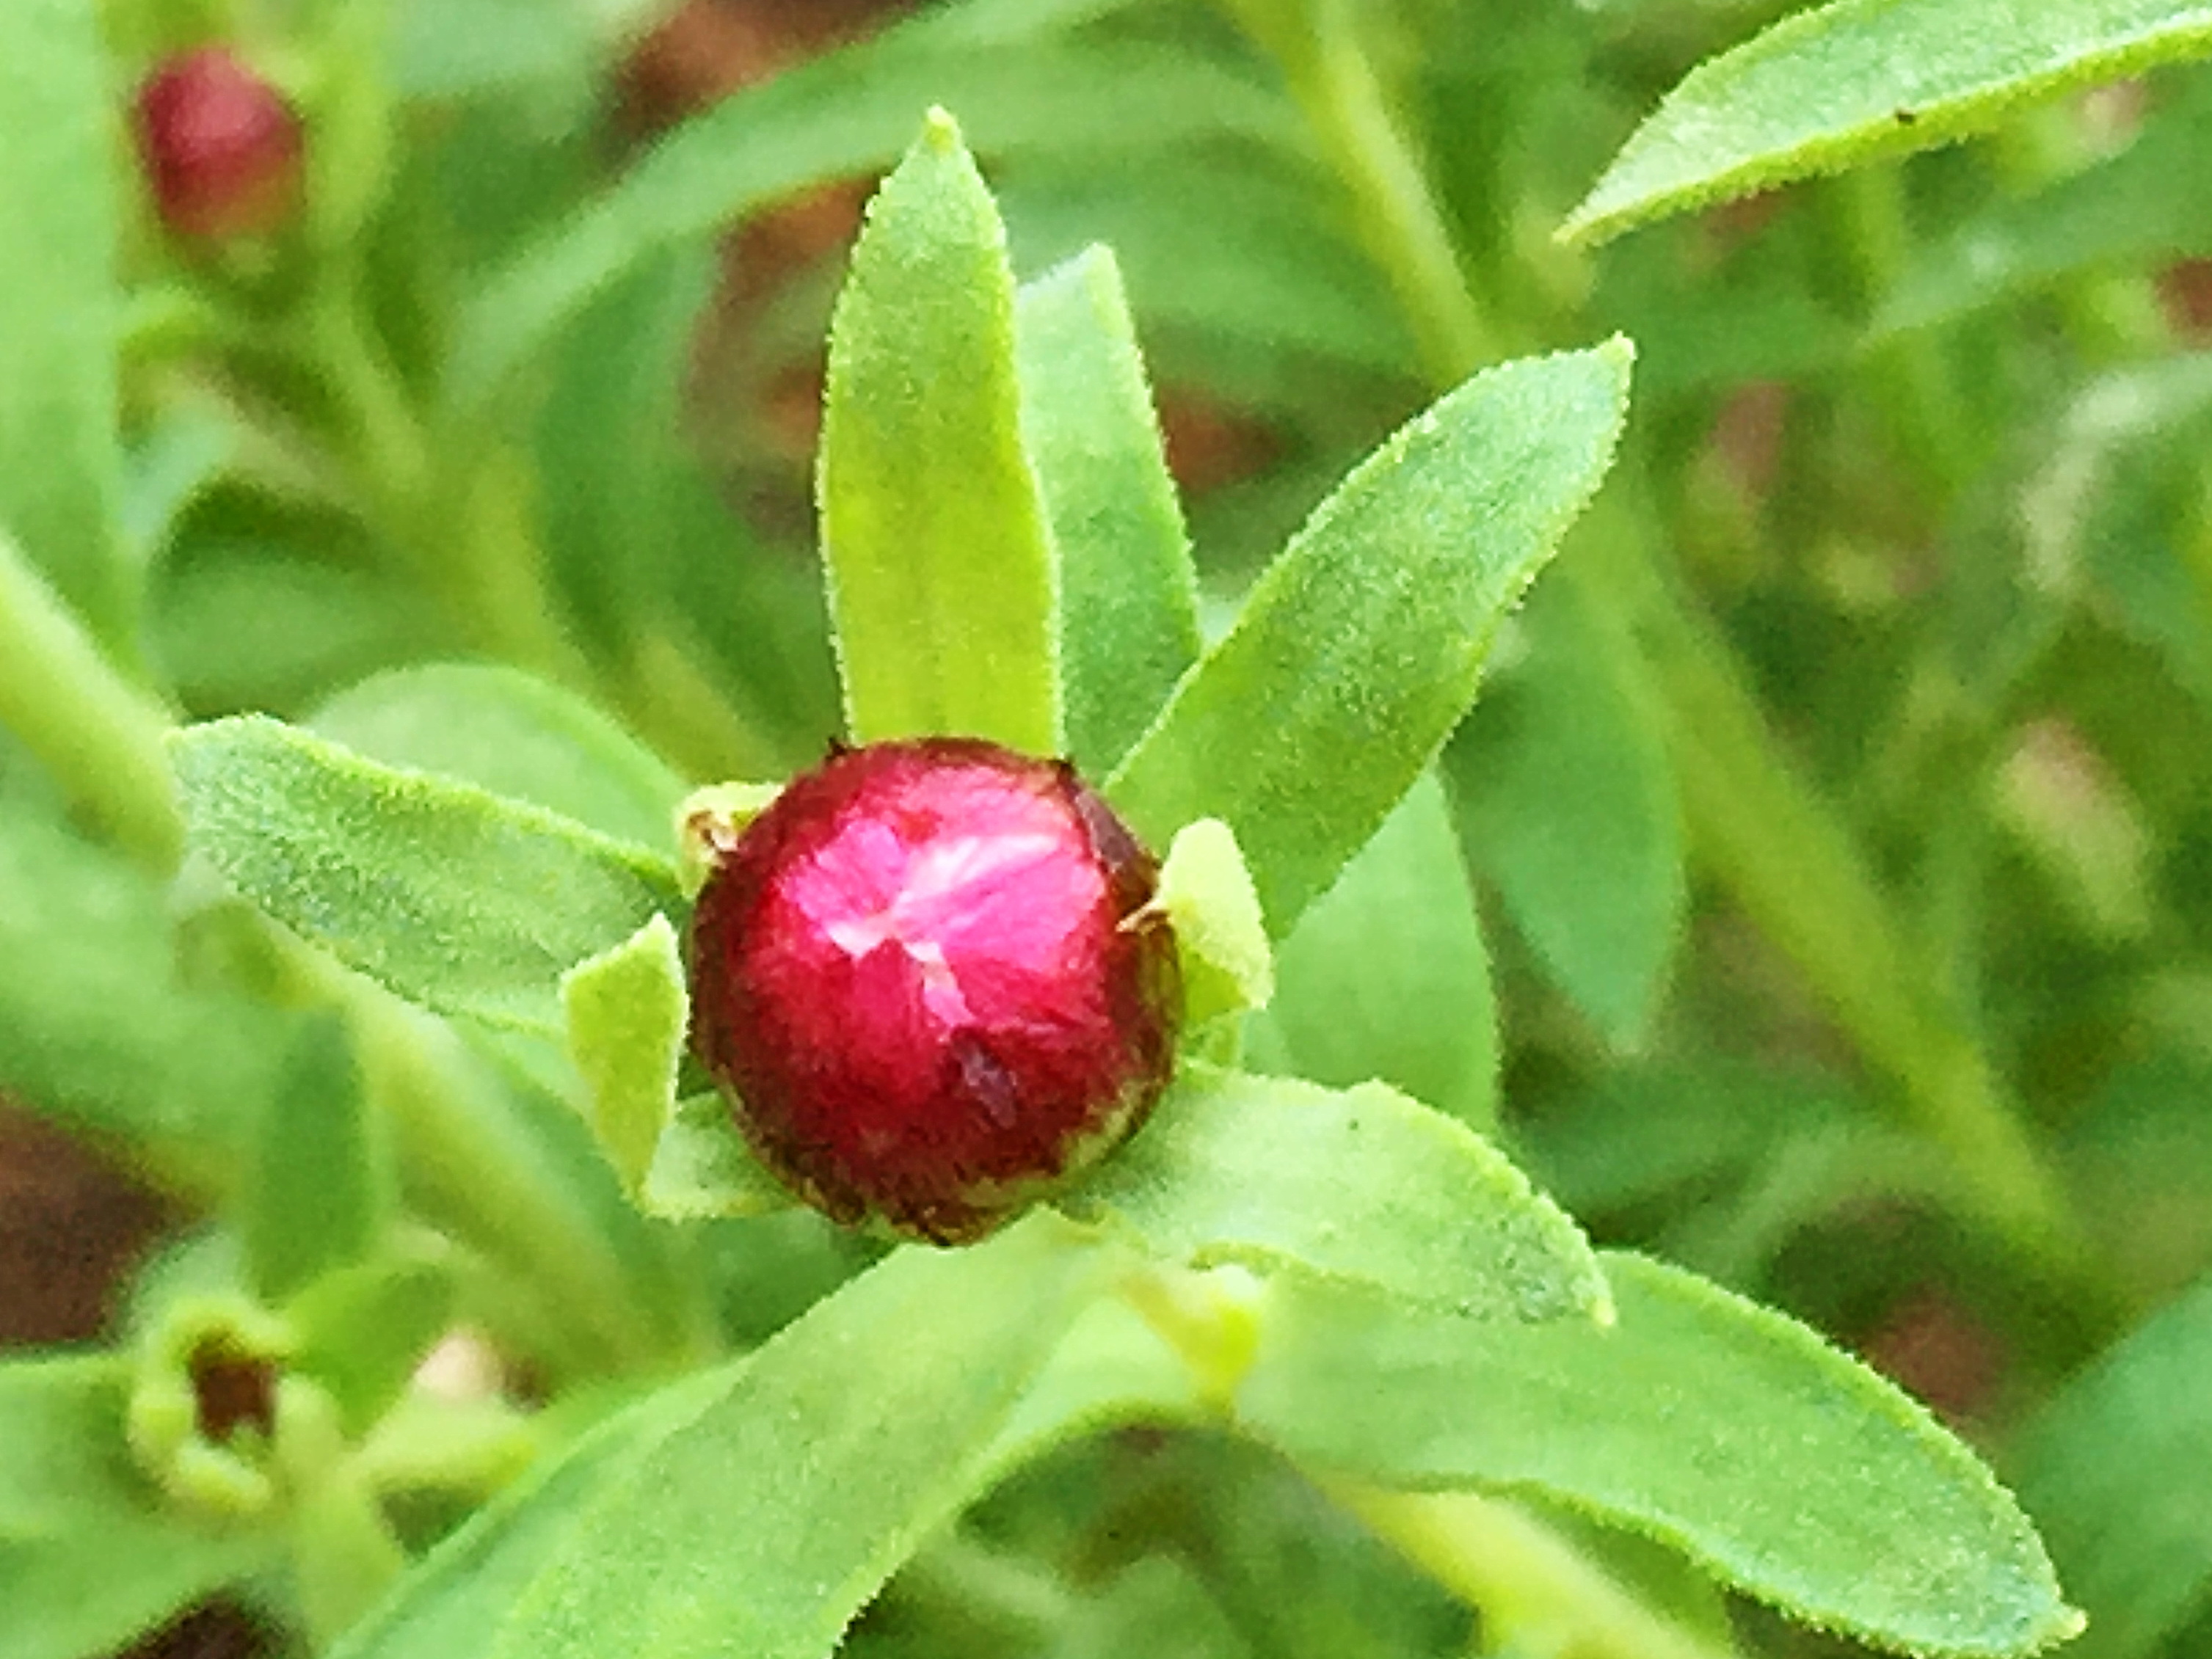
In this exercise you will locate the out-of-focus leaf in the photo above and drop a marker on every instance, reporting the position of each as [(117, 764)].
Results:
[(2140, 206), (60, 458), (1159, 1607), (2113, 1471), (363, 1331), (1363, 1184), (1386, 975), (96, 1028), (763, 1524), (318, 1194), (1365, 641), (934, 538), (1726, 1431), (1129, 596), (1859, 80), (852, 112), (1566, 801), (451, 897), (88, 1562), (515, 736), (240, 624)]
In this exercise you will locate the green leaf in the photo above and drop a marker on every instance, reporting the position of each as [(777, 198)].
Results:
[(458, 1598), (87, 1560), (1362, 1185), (849, 114), (628, 1015), (763, 1524), (514, 735), (61, 468), (97, 1027), (1362, 643), (702, 1168), (1733, 1434), (2112, 1469), (2142, 206), (450, 896), (1860, 79), (364, 1331), (1128, 594), (939, 557), (1565, 799), (1159, 1607), (1221, 940), (1386, 975), (319, 1192)]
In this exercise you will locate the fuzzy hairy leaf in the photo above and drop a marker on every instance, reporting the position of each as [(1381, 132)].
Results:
[(934, 541), (1362, 1184), (1861, 80), (1365, 639), (627, 1015), (449, 896), (1128, 594), (763, 1524), (1728, 1431)]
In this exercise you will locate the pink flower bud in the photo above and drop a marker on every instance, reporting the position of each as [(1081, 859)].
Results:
[(926, 979)]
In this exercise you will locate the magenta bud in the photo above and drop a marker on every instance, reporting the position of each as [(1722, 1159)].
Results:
[(927, 979), (221, 147)]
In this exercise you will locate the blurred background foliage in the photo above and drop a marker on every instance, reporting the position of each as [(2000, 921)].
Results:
[(1838, 811)]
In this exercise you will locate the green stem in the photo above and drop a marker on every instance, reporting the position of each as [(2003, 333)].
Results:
[(1335, 85), (1535, 1588), (1753, 821), (99, 734)]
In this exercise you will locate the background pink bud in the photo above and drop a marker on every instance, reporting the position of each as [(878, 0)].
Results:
[(221, 146)]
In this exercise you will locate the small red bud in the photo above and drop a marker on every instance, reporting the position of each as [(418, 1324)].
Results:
[(221, 147), (926, 979)]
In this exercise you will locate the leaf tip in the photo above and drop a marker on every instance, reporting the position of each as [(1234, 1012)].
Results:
[(940, 131)]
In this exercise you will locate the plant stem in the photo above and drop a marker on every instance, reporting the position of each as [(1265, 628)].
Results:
[(1534, 1587), (1765, 833), (99, 734)]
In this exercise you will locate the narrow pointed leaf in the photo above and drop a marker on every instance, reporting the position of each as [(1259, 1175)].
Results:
[(450, 896), (763, 1524), (939, 559), (1386, 974), (1128, 594), (628, 1014), (1722, 1429), (1861, 80), (61, 469), (1361, 1184), (1361, 647)]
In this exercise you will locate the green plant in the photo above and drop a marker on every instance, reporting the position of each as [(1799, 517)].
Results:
[(375, 656)]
